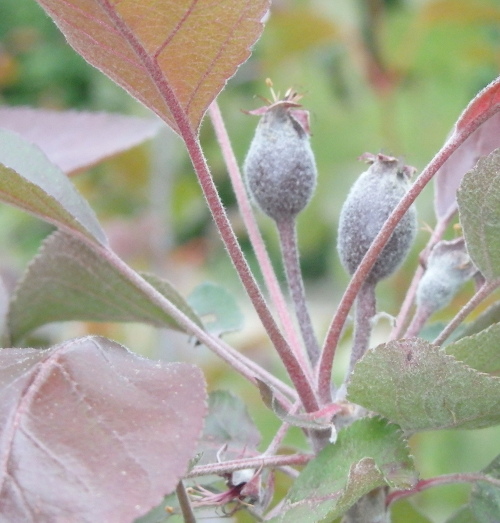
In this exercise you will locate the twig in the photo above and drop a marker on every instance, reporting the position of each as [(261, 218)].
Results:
[(227, 467), (446, 479), (288, 240), (481, 294), (185, 503)]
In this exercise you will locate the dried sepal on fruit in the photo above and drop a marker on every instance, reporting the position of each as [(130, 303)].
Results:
[(369, 203), (448, 268), (280, 169)]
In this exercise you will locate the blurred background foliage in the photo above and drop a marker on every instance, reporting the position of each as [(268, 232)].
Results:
[(378, 75)]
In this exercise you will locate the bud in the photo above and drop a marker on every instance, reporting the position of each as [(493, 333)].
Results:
[(369, 203), (448, 268), (280, 170)]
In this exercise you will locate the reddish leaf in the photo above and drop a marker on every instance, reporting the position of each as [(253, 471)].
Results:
[(91, 432), (78, 140), (174, 57), (482, 118)]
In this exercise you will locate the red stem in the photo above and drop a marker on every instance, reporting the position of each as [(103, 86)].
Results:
[(447, 479), (254, 235), (483, 292), (227, 467), (190, 137), (335, 330)]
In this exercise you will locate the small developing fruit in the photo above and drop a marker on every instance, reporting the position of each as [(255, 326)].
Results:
[(280, 170), (369, 203), (448, 268)]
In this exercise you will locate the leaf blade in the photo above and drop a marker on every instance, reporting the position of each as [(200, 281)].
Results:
[(183, 48), (69, 281), (68, 411), (29, 181), (420, 387)]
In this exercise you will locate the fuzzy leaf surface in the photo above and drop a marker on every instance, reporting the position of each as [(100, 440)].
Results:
[(485, 497), (68, 281), (78, 139), (479, 206), (420, 387), (484, 109), (29, 181), (217, 308), (174, 56), (368, 454), (91, 432), (479, 351), (228, 423)]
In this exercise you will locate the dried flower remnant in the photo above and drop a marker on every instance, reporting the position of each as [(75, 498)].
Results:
[(369, 203)]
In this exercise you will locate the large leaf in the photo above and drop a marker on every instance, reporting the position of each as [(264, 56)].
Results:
[(479, 205), (28, 180), (228, 429), (480, 351), (420, 387), (91, 432), (368, 454), (174, 56), (75, 140), (481, 141), (67, 281)]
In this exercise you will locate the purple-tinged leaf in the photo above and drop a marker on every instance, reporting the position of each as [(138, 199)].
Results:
[(29, 181), (368, 454), (91, 432), (68, 281), (479, 205), (175, 57), (482, 110), (76, 140), (420, 387), (229, 431)]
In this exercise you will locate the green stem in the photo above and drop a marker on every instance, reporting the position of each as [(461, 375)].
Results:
[(185, 504)]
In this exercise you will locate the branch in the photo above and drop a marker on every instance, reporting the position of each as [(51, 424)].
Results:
[(447, 479), (229, 467), (185, 504)]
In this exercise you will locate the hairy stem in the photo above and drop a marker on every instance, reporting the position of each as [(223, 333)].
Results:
[(288, 240), (446, 479), (191, 140), (422, 314), (228, 467), (483, 292), (335, 329), (404, 311), (185, 504), (254, 235), (365, 310), (248, 369)]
